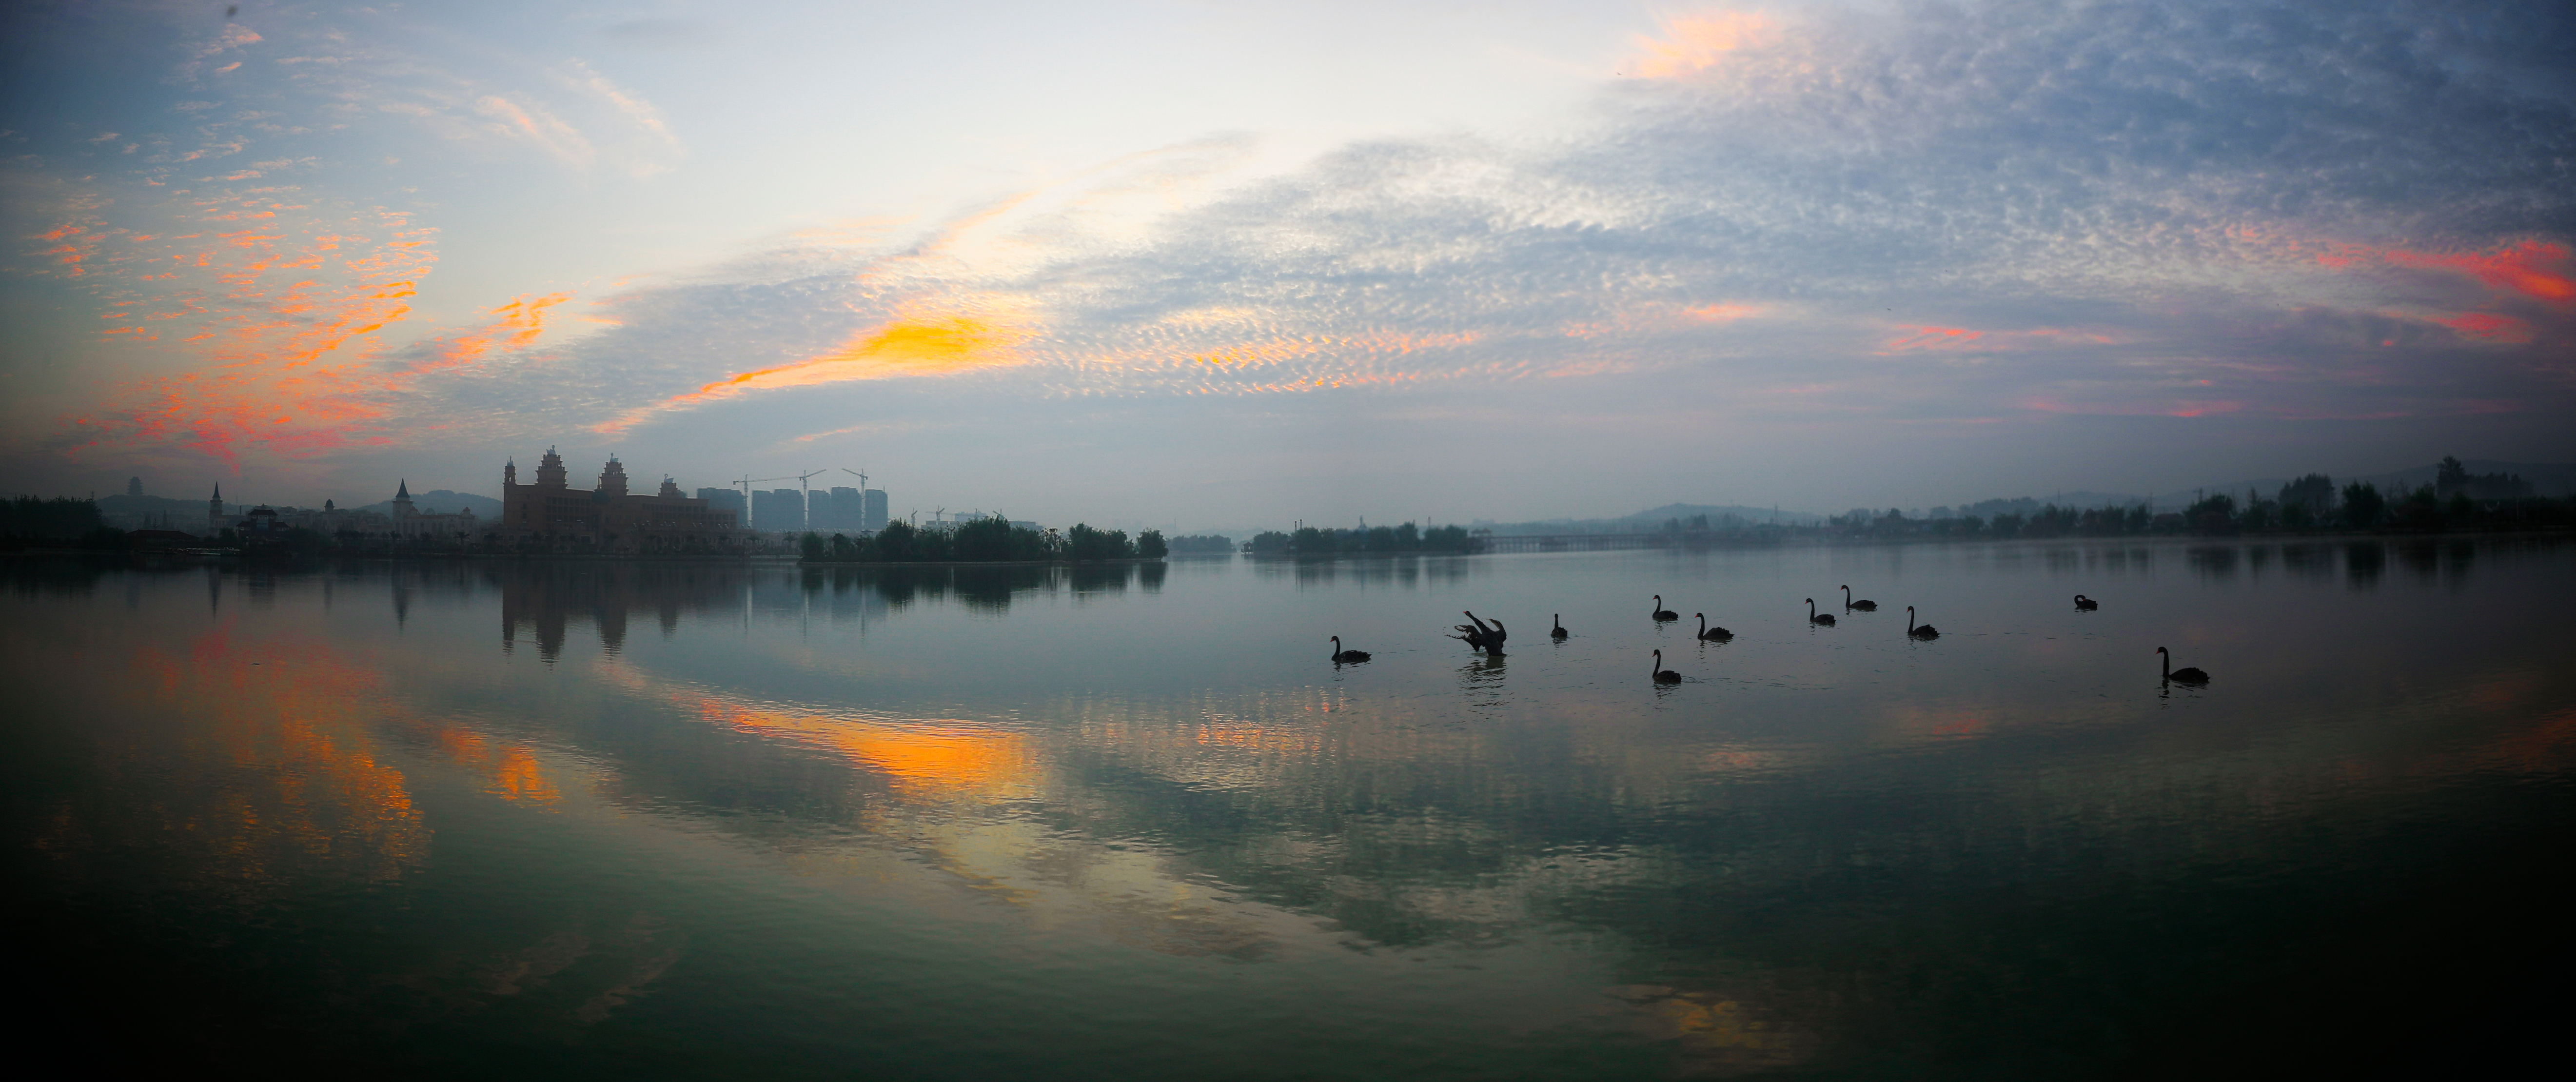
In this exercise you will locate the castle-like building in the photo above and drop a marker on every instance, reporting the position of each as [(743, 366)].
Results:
[(411, 523), (608, 518)]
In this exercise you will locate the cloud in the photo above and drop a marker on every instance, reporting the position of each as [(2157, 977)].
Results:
[(1690, 44), (924, 342), (2066, 206), (1913, 212), (532, 124)]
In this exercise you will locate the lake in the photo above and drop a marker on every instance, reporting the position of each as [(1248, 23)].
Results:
[(678, 819)]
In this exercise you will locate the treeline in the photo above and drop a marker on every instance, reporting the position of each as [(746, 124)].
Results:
[(36, 522), (2456, 500), (1370, 541), (1192, 544), (991, 540)]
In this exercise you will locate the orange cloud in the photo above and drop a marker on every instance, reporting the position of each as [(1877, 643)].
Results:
[(2489, 326), (920, 344), (278, 325), (1723, 313), (1928, 337), (514, 325), (1694, 43), (2525, 268)]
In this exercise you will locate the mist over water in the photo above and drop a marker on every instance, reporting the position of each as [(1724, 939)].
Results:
[(1129, 821)]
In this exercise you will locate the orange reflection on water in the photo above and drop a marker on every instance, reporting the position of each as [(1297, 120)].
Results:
[(263, 766), (942, 759), (510, 772)]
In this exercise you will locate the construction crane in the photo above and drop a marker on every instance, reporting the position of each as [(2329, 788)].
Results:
[(807, 490), (861, 474), (746, 483)]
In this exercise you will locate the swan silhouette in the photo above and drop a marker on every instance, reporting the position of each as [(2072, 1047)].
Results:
[(1662, 674), (1346, 657), (2187, 675), (1662, 613), (1478, 636), (1925, 631), (1557, 632), (1711, 634), (1864, 606), (2086, 604), (1827, 619)]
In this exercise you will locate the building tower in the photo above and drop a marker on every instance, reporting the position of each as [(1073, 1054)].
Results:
[(402, 502), (670, 488), (133, 486), (509, 474), (612, 480), (215, 512), (550, 470)]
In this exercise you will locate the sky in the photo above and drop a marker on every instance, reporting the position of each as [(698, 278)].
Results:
[(1217, 265)]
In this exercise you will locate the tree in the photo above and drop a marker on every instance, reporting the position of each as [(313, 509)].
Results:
[(1150, 545), (810, 546), (2314, 492), (895, 543), (1082, 542), (2450, 476), (2362, 505), (2214, 514)]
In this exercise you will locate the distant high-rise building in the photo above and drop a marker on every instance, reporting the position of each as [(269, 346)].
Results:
[(778, 509), (725, 499), (133, 486), (872, 511), (843, 510)]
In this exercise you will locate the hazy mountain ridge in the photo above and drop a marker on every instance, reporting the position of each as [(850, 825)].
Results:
[(442, 501), (2547, 479)]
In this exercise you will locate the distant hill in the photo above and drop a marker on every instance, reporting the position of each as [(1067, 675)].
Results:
[(137, 512), (1758, 515), (443, 501), (1720, 516), (2547, 479)]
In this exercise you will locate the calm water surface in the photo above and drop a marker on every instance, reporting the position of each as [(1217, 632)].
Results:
[(708, 819)]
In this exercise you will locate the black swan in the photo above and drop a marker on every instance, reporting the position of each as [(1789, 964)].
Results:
[(1925, 631), (1341, 656), (1557, 632), (1864, 606), (1477, 635), (1662, 613), (2086, 604), (1662, 674), (2188, 676), (1711, 634), (1826, 619)]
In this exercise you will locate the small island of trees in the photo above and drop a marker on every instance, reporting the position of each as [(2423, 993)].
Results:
[(989, 540), (1310, 542)]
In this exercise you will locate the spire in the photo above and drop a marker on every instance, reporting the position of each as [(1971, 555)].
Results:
[(402, 491), (612, 478), (219, 490)]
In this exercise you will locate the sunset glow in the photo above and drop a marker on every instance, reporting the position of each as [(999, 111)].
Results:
[(1738, 221)]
